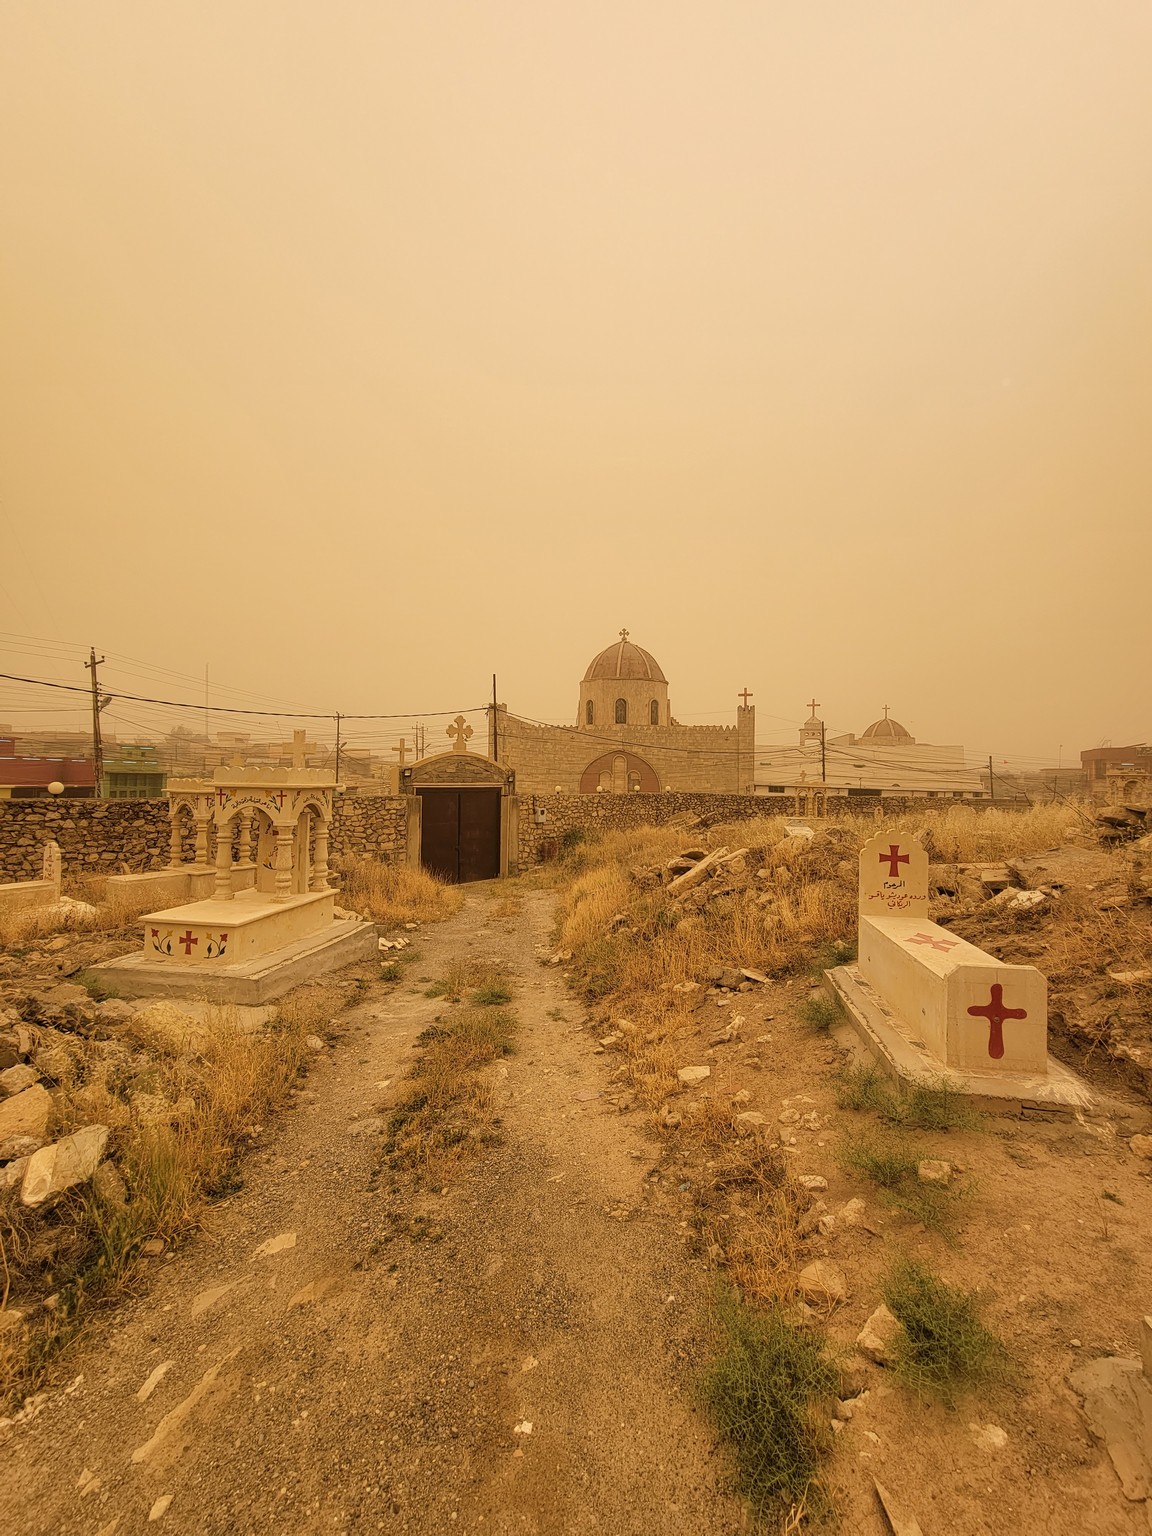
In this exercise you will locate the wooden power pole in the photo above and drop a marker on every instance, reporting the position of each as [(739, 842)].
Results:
[(97, 740)]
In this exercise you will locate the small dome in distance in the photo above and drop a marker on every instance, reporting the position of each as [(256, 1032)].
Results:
[(886, 730)]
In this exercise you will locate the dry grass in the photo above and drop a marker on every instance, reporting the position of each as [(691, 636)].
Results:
[(444, 1113), (395, 893), (178, 1127)]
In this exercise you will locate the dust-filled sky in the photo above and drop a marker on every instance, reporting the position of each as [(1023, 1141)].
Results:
[(359, 350)]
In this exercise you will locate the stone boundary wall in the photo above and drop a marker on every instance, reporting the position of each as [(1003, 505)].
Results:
[(98, 837), (611, 813)]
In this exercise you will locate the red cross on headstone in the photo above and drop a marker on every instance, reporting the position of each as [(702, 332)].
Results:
[(187, 940), (221, 794), (995, 1012), (279, 796), (926, 938), (894, 858)]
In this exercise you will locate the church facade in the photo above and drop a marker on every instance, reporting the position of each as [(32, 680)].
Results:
[(625, 739)]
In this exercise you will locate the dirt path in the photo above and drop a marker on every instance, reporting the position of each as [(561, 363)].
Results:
[(371, 1375)]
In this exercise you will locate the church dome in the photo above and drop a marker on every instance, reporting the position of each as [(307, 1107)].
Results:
[(624, 660), (886, 730)]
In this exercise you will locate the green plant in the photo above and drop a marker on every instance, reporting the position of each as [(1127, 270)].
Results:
[(915, 1106), (887, 1161), (819, 1013), (945, 1347), (769, 1393), (572, 837), (390, 971), (489, 997)]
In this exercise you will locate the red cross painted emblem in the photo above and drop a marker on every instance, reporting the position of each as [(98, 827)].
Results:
[(894, 858), (187, 940), (926, 938), (221, 795), (995, 1012), (279, 797)]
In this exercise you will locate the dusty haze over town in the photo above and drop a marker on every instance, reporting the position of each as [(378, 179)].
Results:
[(358, 351)]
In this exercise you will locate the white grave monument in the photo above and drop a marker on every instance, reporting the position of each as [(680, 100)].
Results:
[(935, 1008), (260, 864), (31, 895)]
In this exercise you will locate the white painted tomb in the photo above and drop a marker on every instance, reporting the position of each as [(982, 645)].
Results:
[(934, 1008), (264, 920), (29, 895)]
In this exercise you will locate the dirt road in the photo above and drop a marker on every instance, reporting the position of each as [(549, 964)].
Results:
[(329, 1358)]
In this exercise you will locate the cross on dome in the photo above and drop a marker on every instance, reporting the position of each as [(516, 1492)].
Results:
[(623, 634)]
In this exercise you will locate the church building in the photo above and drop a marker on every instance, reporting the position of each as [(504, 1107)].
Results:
[(625, 739), (885, 759)]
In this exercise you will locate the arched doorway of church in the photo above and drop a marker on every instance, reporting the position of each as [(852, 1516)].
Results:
[(619, 773)]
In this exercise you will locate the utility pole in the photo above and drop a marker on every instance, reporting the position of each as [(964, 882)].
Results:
[(336, 780), (991, 780), (823, 755), (97, 740), (495, 732)]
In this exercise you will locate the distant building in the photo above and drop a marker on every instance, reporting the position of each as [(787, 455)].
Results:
[(28, 778), (1116, 774), (884, 760), (134, 773)]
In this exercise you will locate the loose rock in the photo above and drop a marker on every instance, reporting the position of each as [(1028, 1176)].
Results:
[(878, 1336)]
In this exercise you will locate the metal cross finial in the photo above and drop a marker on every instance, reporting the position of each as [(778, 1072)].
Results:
[(459, 731), (885, 711), (623, 634), (745, 696), (813, 705)]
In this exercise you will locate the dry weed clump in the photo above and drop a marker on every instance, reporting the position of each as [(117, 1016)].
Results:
[(395, 893), (180, 1114), (444, 1113)]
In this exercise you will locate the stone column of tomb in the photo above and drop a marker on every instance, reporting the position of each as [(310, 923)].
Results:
[(283, 864), (222, 889), (244, 850), (202, 833), (320, 856), (175, 838)]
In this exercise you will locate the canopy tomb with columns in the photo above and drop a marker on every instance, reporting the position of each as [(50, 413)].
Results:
[(258, 845)]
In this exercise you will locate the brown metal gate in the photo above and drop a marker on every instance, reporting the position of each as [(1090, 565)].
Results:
[(460, 833)]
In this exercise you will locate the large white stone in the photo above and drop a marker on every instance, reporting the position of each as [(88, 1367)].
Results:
[(25, 1114), (66, 1163)]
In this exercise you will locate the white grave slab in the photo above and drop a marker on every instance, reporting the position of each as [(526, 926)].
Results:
[(935, 1007)]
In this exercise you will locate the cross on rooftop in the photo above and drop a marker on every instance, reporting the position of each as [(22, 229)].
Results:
[(745, 696), (886, 711), (623, 634), (403, 750), (813, 706)]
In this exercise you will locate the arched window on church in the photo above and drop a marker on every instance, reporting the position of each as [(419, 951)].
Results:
[(621, 711), (589, 713), (654, 712)]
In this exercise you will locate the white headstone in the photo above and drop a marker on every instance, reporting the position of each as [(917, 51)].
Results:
[(893, 876), (53, 864)]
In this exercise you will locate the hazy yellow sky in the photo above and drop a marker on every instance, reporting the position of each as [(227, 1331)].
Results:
[(360, 350)]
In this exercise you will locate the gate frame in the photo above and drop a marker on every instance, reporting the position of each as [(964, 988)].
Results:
[(463, 770)]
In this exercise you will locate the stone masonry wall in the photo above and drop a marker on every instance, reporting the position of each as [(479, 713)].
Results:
[(610, 813), (98, 837)]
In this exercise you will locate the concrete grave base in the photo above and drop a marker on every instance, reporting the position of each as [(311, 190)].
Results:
[(898, 1052), (250, 982)]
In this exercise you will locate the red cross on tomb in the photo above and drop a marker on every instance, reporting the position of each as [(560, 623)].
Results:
[(280, 796), (926, 938), (894, 858), (995, 1012), (187, 940)]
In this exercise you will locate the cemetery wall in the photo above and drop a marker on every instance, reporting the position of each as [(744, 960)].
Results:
[(609, 813), (98, 837)]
